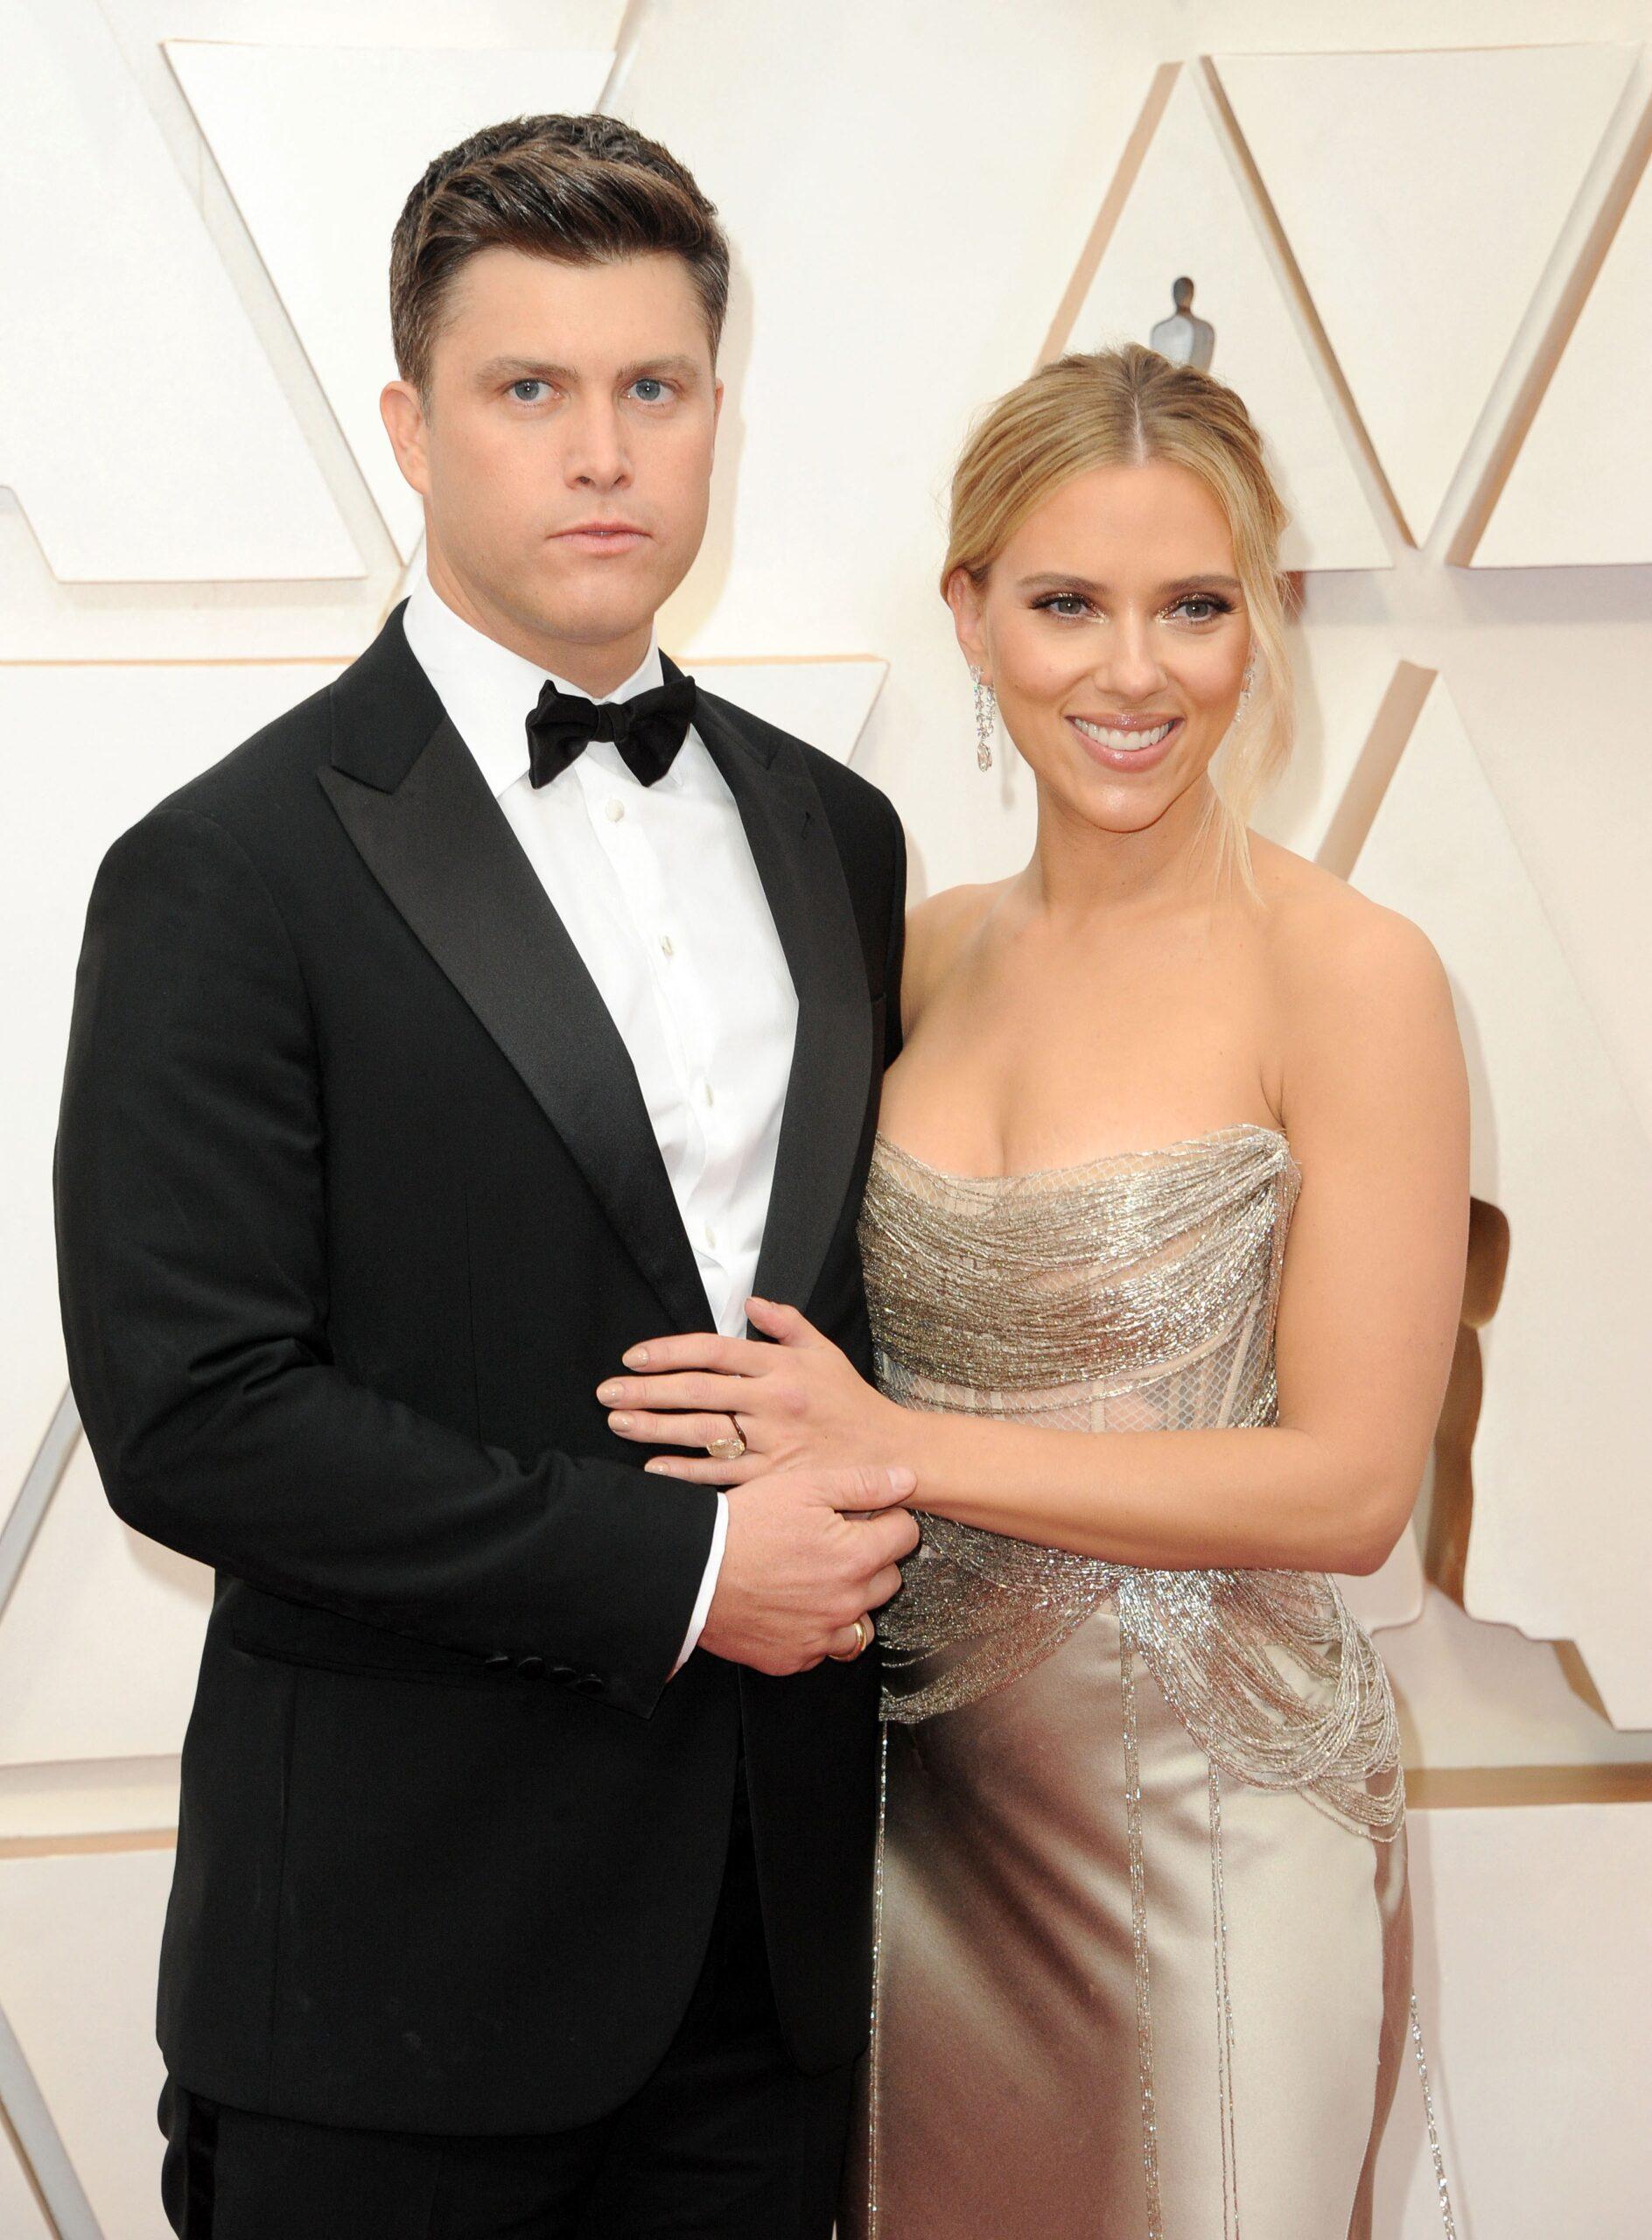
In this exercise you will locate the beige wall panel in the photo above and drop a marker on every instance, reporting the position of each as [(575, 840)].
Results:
[(1580, 490), (79, 1940), (1556, 701), (21, 2217), (1534, 1952), (1342, 679), (34, 1377), (1474, 1694), (130, 404), (1421, 195), (826, 703), (908, 193), (872, 312), (320, 196), (87, 752), (1556, 1146), (1187, 213), (434, 23), (100, 1642), (42, 620), (48, 1807)]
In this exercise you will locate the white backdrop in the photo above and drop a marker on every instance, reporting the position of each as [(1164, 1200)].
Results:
[(1423, 233)]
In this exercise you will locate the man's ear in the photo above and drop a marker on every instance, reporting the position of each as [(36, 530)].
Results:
[(402, 412), (717, 412), (964, 597)]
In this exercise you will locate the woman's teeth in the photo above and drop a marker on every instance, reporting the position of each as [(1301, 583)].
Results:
[(1125, 742)]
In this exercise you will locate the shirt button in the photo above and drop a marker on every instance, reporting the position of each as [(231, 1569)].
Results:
[(667, 947), (705, 1091), (711, 1234), (615, 811)]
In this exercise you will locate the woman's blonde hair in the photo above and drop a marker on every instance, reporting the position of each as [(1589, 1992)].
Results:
[(1124, 407)]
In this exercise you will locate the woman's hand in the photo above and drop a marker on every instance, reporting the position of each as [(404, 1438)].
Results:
[(796, 1403)]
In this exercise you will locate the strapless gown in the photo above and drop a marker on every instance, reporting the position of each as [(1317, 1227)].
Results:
[(1143, 1938)]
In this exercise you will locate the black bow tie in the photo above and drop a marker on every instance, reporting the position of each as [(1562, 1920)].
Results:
[(648, 730)]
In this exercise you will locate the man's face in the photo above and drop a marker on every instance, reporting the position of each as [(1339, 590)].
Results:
[(564, 452)]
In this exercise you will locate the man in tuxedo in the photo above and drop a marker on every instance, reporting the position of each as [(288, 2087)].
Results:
[(508, 1001)]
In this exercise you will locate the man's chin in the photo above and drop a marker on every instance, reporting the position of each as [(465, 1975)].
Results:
[(594, 611), (590, 622)]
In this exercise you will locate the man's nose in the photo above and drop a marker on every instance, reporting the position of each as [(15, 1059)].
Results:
[(596, 458)]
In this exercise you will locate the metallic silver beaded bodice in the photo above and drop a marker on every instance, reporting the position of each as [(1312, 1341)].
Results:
[(1134, 1292)]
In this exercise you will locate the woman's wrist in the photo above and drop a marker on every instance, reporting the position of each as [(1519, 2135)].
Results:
[(904, 1437)]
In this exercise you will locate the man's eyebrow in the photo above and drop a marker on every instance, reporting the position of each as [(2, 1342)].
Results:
[(540, 370), (518, 369), (1058, 582), (684, 369)]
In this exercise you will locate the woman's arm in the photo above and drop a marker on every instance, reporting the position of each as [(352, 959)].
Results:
[(1368, 1310), (1376, 1110)]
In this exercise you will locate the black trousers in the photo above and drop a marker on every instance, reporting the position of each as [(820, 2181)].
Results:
[(725, 2141)]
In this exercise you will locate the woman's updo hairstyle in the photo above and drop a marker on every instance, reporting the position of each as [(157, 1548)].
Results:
[(1123, 407)]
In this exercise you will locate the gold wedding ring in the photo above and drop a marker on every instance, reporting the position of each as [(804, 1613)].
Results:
[(863, 1640), (727, 1449)]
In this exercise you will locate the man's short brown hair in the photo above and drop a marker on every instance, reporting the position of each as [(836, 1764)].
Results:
[(580, 190)]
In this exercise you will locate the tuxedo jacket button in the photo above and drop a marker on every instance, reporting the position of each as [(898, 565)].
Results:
[(531, 1666), (564, 1672), (589, 1683), (499, 1661)]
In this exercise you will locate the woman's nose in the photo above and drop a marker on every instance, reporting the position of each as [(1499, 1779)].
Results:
[(1131, 670)]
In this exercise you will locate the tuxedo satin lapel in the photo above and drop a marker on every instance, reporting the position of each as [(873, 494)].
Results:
[(440, 847), (797, 861)]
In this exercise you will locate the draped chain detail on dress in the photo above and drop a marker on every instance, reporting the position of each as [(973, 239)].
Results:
[(1132, 1293)]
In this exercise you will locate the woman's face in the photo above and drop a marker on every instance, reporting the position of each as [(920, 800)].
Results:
[(1113, 628)]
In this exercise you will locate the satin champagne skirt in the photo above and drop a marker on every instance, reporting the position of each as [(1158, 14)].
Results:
[(1144, 1937), (1005, 2095)]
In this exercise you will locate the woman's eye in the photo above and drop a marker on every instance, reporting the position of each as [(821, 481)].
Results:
[(1070, 605), (1202, 599)]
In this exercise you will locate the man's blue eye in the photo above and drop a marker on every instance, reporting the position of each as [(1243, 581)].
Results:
[(650, 381), (527, 381)]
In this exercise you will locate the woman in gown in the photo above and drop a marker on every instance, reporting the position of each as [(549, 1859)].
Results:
[(1176, 1151)]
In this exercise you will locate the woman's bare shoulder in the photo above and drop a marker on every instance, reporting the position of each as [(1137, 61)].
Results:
[(1360, 987), (937, 929), (1326, 940)]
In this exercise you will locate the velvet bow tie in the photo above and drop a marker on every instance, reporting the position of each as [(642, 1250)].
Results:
[(648, 730)]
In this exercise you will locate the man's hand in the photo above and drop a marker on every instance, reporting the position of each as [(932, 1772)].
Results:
[(808, 1552)]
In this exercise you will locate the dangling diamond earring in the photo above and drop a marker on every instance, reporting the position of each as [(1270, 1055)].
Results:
[(986, 716), (1245, 688)]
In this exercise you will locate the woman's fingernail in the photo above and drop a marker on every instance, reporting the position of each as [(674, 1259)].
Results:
[(659, 1469), (619, 1422), (610, 1392), (637, 1358)]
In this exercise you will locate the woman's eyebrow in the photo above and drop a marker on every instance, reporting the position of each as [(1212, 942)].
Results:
[(1083, 583)]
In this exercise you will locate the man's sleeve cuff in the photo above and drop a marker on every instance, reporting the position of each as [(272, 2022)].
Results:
[(707, 1583)]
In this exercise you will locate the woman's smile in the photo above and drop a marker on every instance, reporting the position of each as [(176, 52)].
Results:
[(1135, 743)]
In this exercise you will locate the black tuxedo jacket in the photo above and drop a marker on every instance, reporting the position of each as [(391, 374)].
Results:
[(357, 1200)]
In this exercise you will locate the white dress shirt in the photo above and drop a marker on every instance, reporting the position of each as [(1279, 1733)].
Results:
[(659, 894)]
